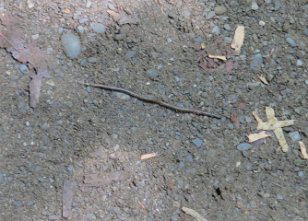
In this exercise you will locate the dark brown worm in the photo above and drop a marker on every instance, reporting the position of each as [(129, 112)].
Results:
[(153, 100)]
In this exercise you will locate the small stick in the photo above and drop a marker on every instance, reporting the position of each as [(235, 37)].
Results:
[(152, 100)]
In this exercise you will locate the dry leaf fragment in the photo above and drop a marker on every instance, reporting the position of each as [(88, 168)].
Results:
[(220, 57), (275, 125), (148, 156), (303, 150), (194, 214), (238, 38), (257, 136)]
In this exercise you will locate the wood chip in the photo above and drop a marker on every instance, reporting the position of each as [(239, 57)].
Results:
[(238, 38), (67, 198), (274, 125), (257, 136), (194, 214), (148, 156), (263, 79), (303, 150), (220, 57)]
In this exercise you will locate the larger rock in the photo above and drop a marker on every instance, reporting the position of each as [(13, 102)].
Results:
[(71, 45), (220, 9)]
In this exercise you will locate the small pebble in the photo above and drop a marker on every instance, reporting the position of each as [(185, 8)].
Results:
[(216, 30), (220, 9), (256, 62), (91, 216), (80, 29), (197, 142), (291, 42), (71, 45), (23, 68), (295, 136), (254, 5), (2, 178), (227, 27), (243, 146), (306, 82), (122, 96), (299, 62), (261, 23), (98, 27), (152, 73), (277, 5), (306, 31), (301, 174), (210, 15)]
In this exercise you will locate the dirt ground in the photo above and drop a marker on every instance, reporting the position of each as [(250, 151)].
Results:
[(76, 155)]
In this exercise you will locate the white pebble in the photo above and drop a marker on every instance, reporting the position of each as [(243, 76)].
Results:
[(261, 23)]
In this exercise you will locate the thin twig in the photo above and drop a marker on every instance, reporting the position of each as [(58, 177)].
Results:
[(152, 100)]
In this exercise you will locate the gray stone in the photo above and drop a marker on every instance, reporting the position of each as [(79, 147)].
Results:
[(306, 82), (220, 9), (301, 174), (91, 216), (299, 62), (197, 142), (216, 30), (291, 42), (71, 45), (256, 62), (152, 73), (306, 31), (227, 27), (92, 59), (23, 68), (210, 15), (80, 29), (277, 4), (243, 146), (295, 136), (2, 178), (83, 20), (98, 27), (254, 5)]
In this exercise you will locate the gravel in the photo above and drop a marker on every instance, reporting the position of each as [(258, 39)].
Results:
[(71, 45), (216, 30)]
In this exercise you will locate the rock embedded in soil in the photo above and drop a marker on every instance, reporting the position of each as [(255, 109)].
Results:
[(256, 62), (291, 42), (152, 73), (243, 146), (98, 27), (71, 45), (220, 9), (295, 136), (197, 142)]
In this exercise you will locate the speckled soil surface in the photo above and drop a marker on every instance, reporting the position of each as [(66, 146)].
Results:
[(86, 142)]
